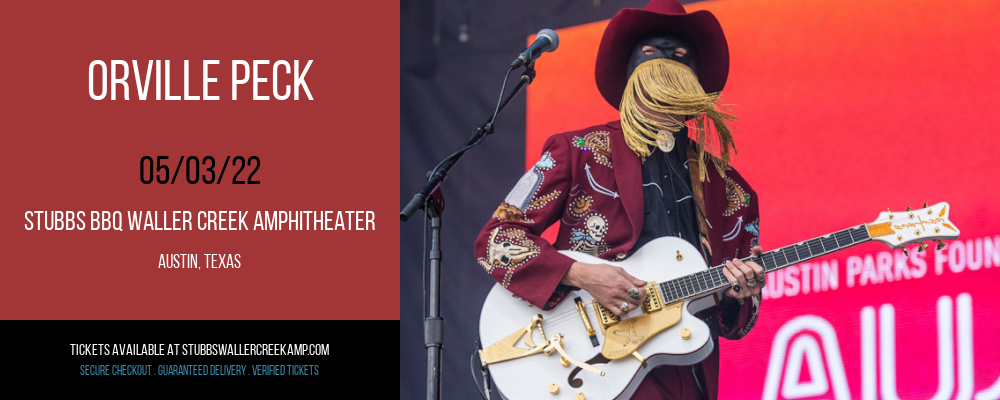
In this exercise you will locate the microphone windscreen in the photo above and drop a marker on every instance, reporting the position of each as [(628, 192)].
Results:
[(552, 36)]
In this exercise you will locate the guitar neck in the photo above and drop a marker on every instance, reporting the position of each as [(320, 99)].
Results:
[(713, 279)]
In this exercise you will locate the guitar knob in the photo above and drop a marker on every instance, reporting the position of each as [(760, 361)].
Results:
[(580, 396), (922, 246), (685, 333), (553, 388), (940, 244)]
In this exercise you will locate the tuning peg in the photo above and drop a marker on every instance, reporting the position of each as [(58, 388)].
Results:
[(909, 208), (890, 212), (940, 244), (906, 253), (925, 205), (922, 246)]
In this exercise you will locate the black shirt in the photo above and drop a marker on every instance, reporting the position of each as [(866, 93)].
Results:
[(669, 207)]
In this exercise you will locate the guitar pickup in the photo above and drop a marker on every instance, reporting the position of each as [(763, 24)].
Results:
[(605, 316), (653, 301)]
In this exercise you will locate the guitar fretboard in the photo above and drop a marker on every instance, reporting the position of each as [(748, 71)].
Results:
[(713, 278)]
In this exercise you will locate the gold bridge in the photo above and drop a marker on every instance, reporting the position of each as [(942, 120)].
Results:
[(622, 338), (652, 303), (586, 321)]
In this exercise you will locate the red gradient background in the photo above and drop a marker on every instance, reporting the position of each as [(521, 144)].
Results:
[(64, 151), (846, 108)]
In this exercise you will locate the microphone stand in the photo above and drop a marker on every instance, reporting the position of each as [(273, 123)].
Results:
[(431, 200)]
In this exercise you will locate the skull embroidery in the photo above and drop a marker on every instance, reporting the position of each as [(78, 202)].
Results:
[(591, 240), (507, 253), (597, 227)]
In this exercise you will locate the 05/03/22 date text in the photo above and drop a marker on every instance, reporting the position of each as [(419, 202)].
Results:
[(193, 173)]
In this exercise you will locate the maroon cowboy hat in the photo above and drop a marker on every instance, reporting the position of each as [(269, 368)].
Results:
[(660, 16)]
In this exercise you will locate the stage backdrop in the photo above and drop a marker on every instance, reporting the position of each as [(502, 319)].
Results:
[(846, 108)]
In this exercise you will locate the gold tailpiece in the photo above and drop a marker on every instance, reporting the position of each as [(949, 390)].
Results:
[(505, 349)]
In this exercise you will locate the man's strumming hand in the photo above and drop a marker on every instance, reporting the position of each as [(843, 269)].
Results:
[(608, 284)]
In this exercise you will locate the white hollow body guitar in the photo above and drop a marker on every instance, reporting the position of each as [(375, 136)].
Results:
[(580, 350)]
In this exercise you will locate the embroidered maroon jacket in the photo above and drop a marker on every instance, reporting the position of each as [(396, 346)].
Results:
[(591, 181)]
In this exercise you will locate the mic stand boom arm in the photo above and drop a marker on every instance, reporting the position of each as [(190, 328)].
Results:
[(437, 176)]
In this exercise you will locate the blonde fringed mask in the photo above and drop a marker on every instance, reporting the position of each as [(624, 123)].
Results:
[(661, 87)]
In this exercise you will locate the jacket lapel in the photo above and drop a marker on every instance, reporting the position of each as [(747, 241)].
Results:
[(628, 176)]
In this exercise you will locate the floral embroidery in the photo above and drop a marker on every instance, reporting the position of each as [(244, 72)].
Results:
[(597, 142), (508, 212), (736, 198)]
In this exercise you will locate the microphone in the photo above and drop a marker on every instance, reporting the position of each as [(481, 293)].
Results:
[(546, 41)]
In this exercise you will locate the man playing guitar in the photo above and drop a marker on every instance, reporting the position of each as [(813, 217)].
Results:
[(617, 186)]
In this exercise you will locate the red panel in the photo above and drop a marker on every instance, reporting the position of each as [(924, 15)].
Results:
[(64, 151)]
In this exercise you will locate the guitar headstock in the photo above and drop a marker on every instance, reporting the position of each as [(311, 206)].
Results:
[(900, 228)]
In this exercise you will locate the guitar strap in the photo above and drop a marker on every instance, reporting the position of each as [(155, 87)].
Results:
[(698, 189)]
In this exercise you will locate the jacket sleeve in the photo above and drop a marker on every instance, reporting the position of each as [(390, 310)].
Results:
[(510, 248), (737, 317)]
